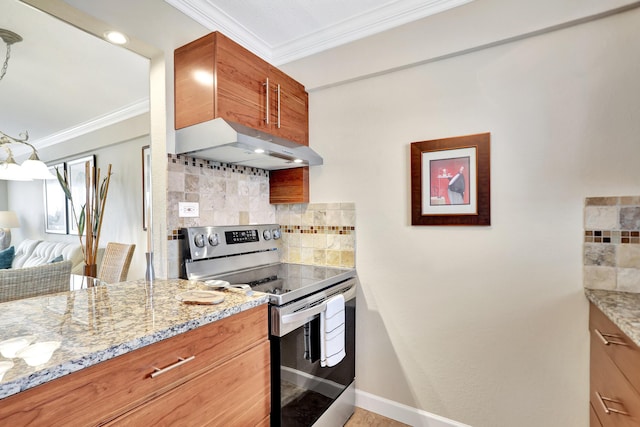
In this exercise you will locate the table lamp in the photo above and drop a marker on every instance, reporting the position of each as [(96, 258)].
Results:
[(8, 220)]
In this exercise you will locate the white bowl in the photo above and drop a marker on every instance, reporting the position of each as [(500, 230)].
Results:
[(10, 347), (4, 367), (38, 353), (216, 284)]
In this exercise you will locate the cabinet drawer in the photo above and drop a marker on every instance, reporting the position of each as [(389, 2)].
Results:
[(235, 393), (611, 389), (624, 353), (106, 390), (593, 418)]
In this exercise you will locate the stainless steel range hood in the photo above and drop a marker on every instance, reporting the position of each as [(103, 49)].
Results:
[(228, 142)]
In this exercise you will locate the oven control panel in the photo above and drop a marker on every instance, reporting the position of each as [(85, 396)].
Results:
[(241, 236), (220, 241)]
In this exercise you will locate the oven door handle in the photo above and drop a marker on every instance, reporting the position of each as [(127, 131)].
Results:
[(286, 319), (303, 315)]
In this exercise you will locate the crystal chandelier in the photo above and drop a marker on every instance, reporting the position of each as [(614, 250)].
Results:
[(32, 168)]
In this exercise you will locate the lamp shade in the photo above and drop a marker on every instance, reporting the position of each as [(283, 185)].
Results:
[(13, 172), (36, 169), (9, 219)]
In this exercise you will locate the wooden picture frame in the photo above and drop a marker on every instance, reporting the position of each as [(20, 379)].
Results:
[(451, 181), (76, 172), (55, 204), (146, 185)]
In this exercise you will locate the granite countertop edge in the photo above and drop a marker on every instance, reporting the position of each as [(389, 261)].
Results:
[(74, 364), (622, 308)]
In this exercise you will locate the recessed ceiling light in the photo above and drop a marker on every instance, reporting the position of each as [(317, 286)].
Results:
[(258, 151), (297, 161), (116, 37)]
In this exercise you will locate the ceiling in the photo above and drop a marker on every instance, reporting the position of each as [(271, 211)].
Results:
[(281, 31), (62, 82)]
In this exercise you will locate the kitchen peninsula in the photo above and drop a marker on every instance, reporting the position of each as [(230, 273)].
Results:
[(132, 350)]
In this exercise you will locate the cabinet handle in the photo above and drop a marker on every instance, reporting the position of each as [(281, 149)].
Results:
[(608, 410), (603, 337), (181, 361), (278, 106), (266, 85)]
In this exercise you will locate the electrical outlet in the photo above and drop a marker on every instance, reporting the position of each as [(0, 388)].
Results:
[(188, 209)]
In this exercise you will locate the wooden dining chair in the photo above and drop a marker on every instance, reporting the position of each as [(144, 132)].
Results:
[(115, 262)]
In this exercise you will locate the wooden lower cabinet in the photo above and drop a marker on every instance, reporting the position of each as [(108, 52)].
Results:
[(232, 394), (614, 386), (225, 373), (593, 418)]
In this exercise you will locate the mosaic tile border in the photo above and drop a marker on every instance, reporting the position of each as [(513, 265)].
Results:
[(292, 229), (175, 235), (317, 229), (210, 164), (612, 236)]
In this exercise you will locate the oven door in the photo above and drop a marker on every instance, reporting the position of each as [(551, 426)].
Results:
[(303, 390)]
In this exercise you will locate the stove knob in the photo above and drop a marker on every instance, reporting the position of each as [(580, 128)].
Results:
[(213, 239), (199, 240), (266, 234), (276, 233)]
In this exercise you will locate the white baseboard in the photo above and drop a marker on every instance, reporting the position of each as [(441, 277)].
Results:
[(403, 413)]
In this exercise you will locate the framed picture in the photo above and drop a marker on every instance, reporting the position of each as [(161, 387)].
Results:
[(77, 185), (450, 181), (146, 185), (55, 204)]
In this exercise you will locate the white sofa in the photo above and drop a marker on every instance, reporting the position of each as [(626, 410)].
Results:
[(30, 253)]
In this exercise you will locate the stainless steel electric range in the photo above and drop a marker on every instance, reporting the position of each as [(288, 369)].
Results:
[(304, 390)]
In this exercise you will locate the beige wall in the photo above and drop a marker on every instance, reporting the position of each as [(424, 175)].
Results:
[(484, 325)]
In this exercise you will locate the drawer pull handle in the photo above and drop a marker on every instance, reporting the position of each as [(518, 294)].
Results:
[(608, 410), (181, 361), (603, 337)]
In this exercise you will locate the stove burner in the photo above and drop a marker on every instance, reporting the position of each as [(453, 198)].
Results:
[(273, 291), (270, 285), (261, 281)]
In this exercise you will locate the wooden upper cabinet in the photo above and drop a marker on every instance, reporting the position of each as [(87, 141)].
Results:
[(241, 79), (194, 96), (242, 88), (289, 108)]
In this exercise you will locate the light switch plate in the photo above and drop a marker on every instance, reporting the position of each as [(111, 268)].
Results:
[(188, 209)]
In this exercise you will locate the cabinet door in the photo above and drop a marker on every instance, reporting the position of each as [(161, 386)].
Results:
[(289, 186), (615, 402), (620, 348), (593, 418), (289, 108), (241, 79), (193, 82), (236, 393)]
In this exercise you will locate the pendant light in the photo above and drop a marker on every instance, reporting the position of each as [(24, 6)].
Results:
[(32, 168)]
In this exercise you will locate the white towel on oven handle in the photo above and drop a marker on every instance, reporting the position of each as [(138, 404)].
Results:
[(332, 339)]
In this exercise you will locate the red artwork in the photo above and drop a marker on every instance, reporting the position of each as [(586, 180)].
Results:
[(449, 180)]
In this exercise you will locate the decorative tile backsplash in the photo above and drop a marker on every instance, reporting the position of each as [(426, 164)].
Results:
[(319, 234), (612, 243), (227, 194)]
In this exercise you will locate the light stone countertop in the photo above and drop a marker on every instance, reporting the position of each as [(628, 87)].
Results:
[(97, 324), (622, 308)]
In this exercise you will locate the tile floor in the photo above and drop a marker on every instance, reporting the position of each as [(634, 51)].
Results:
[(363, 418)]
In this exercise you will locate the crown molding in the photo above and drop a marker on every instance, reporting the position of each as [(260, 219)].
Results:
[(127, 112), (356, 27), (215, 19)]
